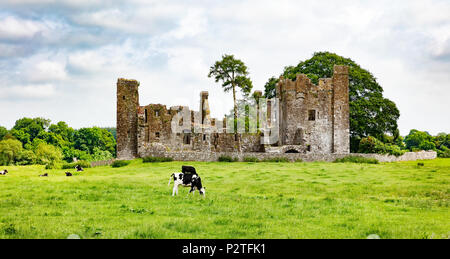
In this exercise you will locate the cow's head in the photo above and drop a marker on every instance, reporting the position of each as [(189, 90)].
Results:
[(197, 182), (5, 172)]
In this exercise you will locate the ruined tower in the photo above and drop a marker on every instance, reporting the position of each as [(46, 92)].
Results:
[(341, 110), (127, 118), (315, 118)]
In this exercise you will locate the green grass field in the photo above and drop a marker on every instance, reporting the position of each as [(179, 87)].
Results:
[(243, 200)]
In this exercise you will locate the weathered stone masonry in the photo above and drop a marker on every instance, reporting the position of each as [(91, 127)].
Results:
[(313, 119)]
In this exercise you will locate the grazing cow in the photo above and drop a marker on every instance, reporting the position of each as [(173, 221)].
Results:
[(68, 174), (79, 168), (188, 169), (187, 180), (4, 172), (43, 175)]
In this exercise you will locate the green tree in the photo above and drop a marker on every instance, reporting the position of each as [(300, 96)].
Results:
[(100, 155), (270, 88), (27, 129), (87, 139), (442, 140), (112, 130), (234, 74), (370, 113), (3, 132), (418, 139), (26, 157), (10, 150), (21, 135), (62, 129), (48, 154)]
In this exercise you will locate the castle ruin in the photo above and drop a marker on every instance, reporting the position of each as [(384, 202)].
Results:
[(308, 118)]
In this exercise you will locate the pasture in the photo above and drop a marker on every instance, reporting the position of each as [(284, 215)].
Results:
[(243, 200)]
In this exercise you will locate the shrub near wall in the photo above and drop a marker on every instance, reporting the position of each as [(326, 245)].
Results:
[(120, 163), (251, 159), (371, 145), (227, 159), (356, 159)]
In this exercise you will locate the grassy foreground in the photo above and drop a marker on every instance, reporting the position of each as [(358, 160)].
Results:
[(243, 200)]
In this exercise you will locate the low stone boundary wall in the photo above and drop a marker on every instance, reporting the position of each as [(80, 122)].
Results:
[(102, 163), (214, 156)]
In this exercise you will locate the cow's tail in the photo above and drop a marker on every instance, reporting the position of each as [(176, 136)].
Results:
[(170, 179)]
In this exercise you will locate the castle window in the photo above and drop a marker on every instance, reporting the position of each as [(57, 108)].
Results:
[(157, 113), (145, 116), (312, 115), (123, 97), (308, 148), (204, 137), (157, 134), (187, 139)]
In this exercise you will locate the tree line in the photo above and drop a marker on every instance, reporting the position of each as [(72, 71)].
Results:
[(37, 141)]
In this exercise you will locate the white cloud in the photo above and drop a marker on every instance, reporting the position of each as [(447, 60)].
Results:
[(14, 28), (42, 68), (34, 92)]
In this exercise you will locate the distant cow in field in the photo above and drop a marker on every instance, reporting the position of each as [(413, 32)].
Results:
[(43, 175), (4, 172), (68, 174), (187, 180), (79, 168)]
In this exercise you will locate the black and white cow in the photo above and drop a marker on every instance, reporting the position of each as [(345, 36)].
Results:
[(4, 172), (187, 180), (79, 168), (188, 169)]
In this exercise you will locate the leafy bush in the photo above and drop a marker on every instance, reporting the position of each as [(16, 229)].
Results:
[(26, 157), (427, 145), (372, 145), (83, 164), (120, 163), (46, 154), (251, 159), (394, 150), (53, 165), (101, 155), (153, 159), (227, 159), (444, 153), (356, 159), (277, 160), (10, 150)]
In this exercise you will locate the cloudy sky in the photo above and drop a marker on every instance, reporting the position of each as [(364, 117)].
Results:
[(61, 59)]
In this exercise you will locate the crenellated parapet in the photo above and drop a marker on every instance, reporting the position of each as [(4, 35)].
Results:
[(305, 118)]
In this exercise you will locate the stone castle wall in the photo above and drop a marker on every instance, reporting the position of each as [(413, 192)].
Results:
[(311, 157), (313, 118)]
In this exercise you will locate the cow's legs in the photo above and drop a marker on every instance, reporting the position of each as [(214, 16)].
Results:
[(175, 190)]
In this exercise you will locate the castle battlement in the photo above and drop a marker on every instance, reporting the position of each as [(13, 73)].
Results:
[(310, 119)]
